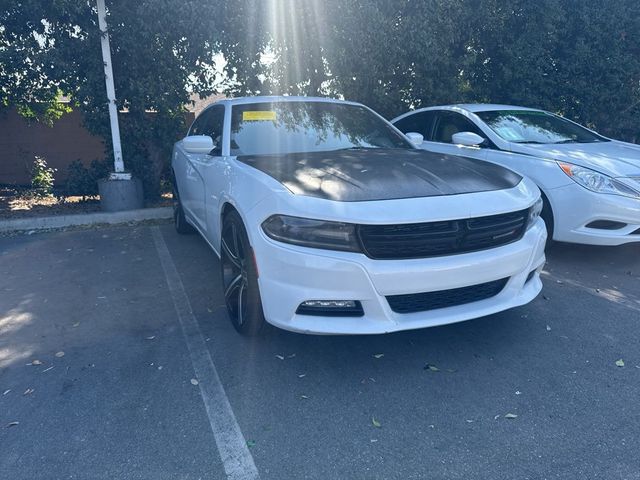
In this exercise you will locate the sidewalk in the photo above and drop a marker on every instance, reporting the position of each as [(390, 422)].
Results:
[(95, 218)]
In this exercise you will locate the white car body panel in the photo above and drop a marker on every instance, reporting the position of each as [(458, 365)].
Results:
[(290, 274), (573, 206)]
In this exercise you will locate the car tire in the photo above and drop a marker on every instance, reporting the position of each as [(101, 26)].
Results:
[(240, 277), (547, 217), (182, 226)]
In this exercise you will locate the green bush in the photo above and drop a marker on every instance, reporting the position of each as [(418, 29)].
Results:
[(83, 181), (41, 178)]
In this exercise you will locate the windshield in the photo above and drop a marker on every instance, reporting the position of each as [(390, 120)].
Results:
[(293, 127), (533, 126)]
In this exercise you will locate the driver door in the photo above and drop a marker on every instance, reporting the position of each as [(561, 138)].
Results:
[(202, 167)]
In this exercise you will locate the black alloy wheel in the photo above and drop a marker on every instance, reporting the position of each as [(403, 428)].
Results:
[(240, 277)]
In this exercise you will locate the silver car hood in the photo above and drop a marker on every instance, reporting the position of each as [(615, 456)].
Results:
[(616, 159)]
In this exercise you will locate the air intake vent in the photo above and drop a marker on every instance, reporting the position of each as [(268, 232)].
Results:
[(423, 302)]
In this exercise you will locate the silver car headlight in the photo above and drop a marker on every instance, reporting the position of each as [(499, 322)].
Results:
[(597, 182), (534, 213), (308, 232)]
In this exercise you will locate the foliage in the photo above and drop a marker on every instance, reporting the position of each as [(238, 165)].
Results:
[(41, 178), (575, 57), (580, 58), (83, 181), (160, 50)]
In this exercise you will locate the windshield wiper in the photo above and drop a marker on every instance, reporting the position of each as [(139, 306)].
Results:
[(569, 140), (355, 148)]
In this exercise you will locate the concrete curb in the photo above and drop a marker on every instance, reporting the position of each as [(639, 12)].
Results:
[(61, 221)]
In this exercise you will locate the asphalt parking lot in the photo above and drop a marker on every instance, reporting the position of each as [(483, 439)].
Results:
[(103, 376)]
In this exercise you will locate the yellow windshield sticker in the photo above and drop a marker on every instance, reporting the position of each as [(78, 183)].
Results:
[(253, 116)]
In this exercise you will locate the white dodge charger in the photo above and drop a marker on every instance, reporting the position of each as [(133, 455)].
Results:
[(590, 184), (327, 220)]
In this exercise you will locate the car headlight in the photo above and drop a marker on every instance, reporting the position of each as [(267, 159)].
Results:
[(597, 182), (534, 212), (312, 233)]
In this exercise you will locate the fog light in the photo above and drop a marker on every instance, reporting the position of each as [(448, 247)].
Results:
[(331, 308)]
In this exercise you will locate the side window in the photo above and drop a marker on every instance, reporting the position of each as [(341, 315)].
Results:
[(450, 123), (210, 122), (421, 122), (215, 127), (198, 126)]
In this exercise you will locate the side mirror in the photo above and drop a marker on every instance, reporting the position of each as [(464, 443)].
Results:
[(467, 139), (415, 138), (198, 144)]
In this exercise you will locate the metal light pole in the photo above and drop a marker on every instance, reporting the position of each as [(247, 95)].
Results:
[(120, 191), (119, 173)]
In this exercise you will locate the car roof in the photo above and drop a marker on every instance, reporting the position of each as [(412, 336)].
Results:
[(469, 107), (278, 98)]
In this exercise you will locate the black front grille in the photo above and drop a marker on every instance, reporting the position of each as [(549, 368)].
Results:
[(423, 302), (421, 240)]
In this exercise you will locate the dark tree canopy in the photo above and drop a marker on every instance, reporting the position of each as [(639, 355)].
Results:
[(580, 58)]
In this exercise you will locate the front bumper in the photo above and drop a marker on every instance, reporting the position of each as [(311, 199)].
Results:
[(289, 275), (575, 207)]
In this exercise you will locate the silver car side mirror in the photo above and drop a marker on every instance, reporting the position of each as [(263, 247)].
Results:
[(467, 139)]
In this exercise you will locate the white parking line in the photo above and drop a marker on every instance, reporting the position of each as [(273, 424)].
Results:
[(232, 447)]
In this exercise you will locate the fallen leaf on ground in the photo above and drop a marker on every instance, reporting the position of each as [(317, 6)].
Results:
[(431, 367), (375, 422), (291, 356), (379, 355), (620, 363), (302, 375), (496, 417), (6, 391), (280, 357), (511, 415), (304, 397), (373, 440), (76, 324), (469, 421), (194, 381), (35, 362), (209, 310), (548, 328), (12, 424), (151, 337), (28, 391), (60, 354), (47, 369)]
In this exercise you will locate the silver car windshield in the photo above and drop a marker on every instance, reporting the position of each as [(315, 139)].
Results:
[(294, 127), (534, 126)]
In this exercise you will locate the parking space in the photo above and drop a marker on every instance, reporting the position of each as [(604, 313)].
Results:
[(128, 398)]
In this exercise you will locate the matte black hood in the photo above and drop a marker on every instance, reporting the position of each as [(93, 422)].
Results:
[(381, 174)]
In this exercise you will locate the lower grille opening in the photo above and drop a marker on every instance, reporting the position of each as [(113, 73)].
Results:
[(331, 308), (423, 302), (606, 225)]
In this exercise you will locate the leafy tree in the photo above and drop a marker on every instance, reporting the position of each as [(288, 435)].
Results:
[(161, 49), (580, 58)]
